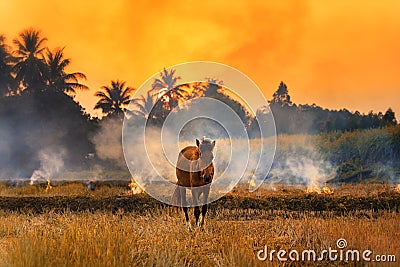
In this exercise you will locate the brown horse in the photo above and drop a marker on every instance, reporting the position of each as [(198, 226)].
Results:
[(195, 171)]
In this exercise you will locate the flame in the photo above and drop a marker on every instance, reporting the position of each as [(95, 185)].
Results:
[(251, 181), (325, 190), (313, 190), (48, 187), (397, 188), (134, 188)]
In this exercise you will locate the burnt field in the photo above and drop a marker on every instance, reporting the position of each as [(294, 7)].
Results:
[(74, 197), (70, 225)]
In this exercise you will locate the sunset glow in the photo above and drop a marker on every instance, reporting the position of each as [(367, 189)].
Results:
[(337, 54)]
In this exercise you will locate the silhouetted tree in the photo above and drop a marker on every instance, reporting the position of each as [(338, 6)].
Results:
[(6, 78), (143, 105), (281, 95), (389, 118), (213, 87), (114, 99), (57, 77), (169, 81), (30, 67)]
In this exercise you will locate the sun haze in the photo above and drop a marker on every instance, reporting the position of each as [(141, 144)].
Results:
[(337, 54)]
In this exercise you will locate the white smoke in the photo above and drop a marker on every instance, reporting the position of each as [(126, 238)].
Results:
[(51, 163), (298, 161), (107, 141)]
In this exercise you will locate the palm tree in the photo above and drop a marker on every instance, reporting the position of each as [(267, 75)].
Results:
[(114, 98), (143, 105), (169, 81), (6, 78), (30, 66), (212, 87), (56, 76)]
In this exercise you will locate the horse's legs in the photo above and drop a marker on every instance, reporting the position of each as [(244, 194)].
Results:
[(203, 214), (185, 210), (184, 206), (204, 206), (195, 196), (197, 215)]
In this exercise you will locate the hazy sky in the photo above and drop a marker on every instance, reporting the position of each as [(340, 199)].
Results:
[(336, 53)]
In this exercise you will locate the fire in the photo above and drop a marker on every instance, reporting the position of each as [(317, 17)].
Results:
[(48, 187), (251, 181), (313, 190), (325, 190), (134, 188), (397, 188)]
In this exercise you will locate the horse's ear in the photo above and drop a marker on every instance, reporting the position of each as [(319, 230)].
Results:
[(198, 142), (212, 145)]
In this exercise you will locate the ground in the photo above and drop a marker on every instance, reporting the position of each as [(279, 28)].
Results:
[(71, 226)]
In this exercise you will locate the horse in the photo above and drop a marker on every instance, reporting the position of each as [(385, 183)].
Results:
[(195, 171)]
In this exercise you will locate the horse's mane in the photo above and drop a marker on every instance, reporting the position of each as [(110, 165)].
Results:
[(205, 140)]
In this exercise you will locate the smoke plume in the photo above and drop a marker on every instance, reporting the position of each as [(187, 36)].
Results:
[(51, 163), (108, 142)]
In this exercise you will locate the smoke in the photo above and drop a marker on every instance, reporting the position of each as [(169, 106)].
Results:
[(152, 154), (298, 161), (108, 142), (304, 170), (389, 171), (152, 159), (51, 163), (35, 125)]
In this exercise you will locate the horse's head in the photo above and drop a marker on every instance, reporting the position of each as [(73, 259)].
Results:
[(206, 147)]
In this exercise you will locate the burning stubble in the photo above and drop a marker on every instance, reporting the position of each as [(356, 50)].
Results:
[(51, 163), (298, 161)]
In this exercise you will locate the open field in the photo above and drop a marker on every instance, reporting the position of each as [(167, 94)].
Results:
[(70, 225)]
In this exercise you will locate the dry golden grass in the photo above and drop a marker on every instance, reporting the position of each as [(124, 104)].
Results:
[(70, 189), (159, 237)]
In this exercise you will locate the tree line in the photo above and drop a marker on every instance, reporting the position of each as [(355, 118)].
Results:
[(38, 110), (291, 118)]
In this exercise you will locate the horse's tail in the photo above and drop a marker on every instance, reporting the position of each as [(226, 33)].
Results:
[(176, 197)]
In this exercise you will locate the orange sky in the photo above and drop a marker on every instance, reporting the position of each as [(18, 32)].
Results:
[(336, 53)]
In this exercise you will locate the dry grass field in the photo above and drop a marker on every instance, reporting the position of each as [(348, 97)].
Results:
[(151, 234)]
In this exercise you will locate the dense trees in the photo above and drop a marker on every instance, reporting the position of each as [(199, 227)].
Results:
[(6, 78), (38, 114), (291, 118), (144, 105), (163, 100), (44, 121), (38, 110)]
